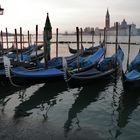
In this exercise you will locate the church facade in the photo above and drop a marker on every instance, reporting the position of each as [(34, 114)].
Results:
[(123, 28)]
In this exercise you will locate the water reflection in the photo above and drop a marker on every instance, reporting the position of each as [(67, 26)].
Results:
[(122, 110), (129, 101), (45, 94), (87, 95), (6, 92)]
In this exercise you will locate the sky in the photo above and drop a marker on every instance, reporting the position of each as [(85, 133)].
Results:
[(66, 15)]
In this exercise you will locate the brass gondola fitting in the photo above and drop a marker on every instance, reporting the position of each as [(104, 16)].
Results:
[(1, 10)]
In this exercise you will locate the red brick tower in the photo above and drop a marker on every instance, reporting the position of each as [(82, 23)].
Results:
[(107, 20)]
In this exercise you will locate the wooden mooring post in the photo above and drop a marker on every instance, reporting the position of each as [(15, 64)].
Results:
[(81, 31), (21, 43), (93, 37), (1, 45), (28, 34), (129, 41), (56, 42), (16, 44), (100, 35), (116, 45), (7, 38), (104, 41), (77, 37), (36, 42)]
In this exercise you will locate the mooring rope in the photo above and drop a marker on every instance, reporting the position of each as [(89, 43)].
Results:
[(7, 66)]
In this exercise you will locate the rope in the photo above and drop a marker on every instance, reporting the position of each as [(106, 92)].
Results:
[(64, 62), (7, 66)]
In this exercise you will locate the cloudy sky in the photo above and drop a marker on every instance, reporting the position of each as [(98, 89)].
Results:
[(66, 14)]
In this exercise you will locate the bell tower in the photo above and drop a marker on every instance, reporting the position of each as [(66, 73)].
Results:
[(107, 20)]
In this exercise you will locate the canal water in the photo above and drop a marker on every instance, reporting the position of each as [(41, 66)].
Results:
[(102, 111)]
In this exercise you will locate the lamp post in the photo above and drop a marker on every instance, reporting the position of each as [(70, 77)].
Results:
[(1, 10)]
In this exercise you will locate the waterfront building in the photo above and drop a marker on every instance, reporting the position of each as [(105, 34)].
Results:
[(123, 28)]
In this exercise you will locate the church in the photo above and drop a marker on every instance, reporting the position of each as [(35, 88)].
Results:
[(123, 28)]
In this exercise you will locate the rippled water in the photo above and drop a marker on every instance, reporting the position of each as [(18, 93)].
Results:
[(102, 111)]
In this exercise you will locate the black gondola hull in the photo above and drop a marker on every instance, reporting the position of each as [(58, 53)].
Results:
[(78, 81), (130, 85)]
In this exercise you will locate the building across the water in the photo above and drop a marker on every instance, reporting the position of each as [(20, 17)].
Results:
[(111, 30)]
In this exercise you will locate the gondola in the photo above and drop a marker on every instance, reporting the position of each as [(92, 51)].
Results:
[(71, 50), (27, 50), (84, 51), (104, 70), (21, 75), (35, 63), (56, 62), (30, 55), (86, 63), (131, 78), (30, 62)]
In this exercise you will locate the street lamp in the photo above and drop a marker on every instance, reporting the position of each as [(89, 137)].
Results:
[(1, 10)]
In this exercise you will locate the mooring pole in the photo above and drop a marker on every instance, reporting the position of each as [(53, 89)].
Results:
[(81, 39), (21, 43), (92, 37), (16, 44), (99, 38), (116, 43), (77, 36), (36, 39), (56, 42), (7, 38), (129, 41), (23, 46), (28, 34), (2, 49), (104, 41)]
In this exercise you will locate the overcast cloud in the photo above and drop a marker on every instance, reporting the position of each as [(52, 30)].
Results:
[(66, 14)]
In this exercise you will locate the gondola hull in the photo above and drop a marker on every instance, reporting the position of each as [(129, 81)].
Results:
[(131, 78), (131, 85), (25, 81), (21, 75), (110, 67), (78, 81)]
